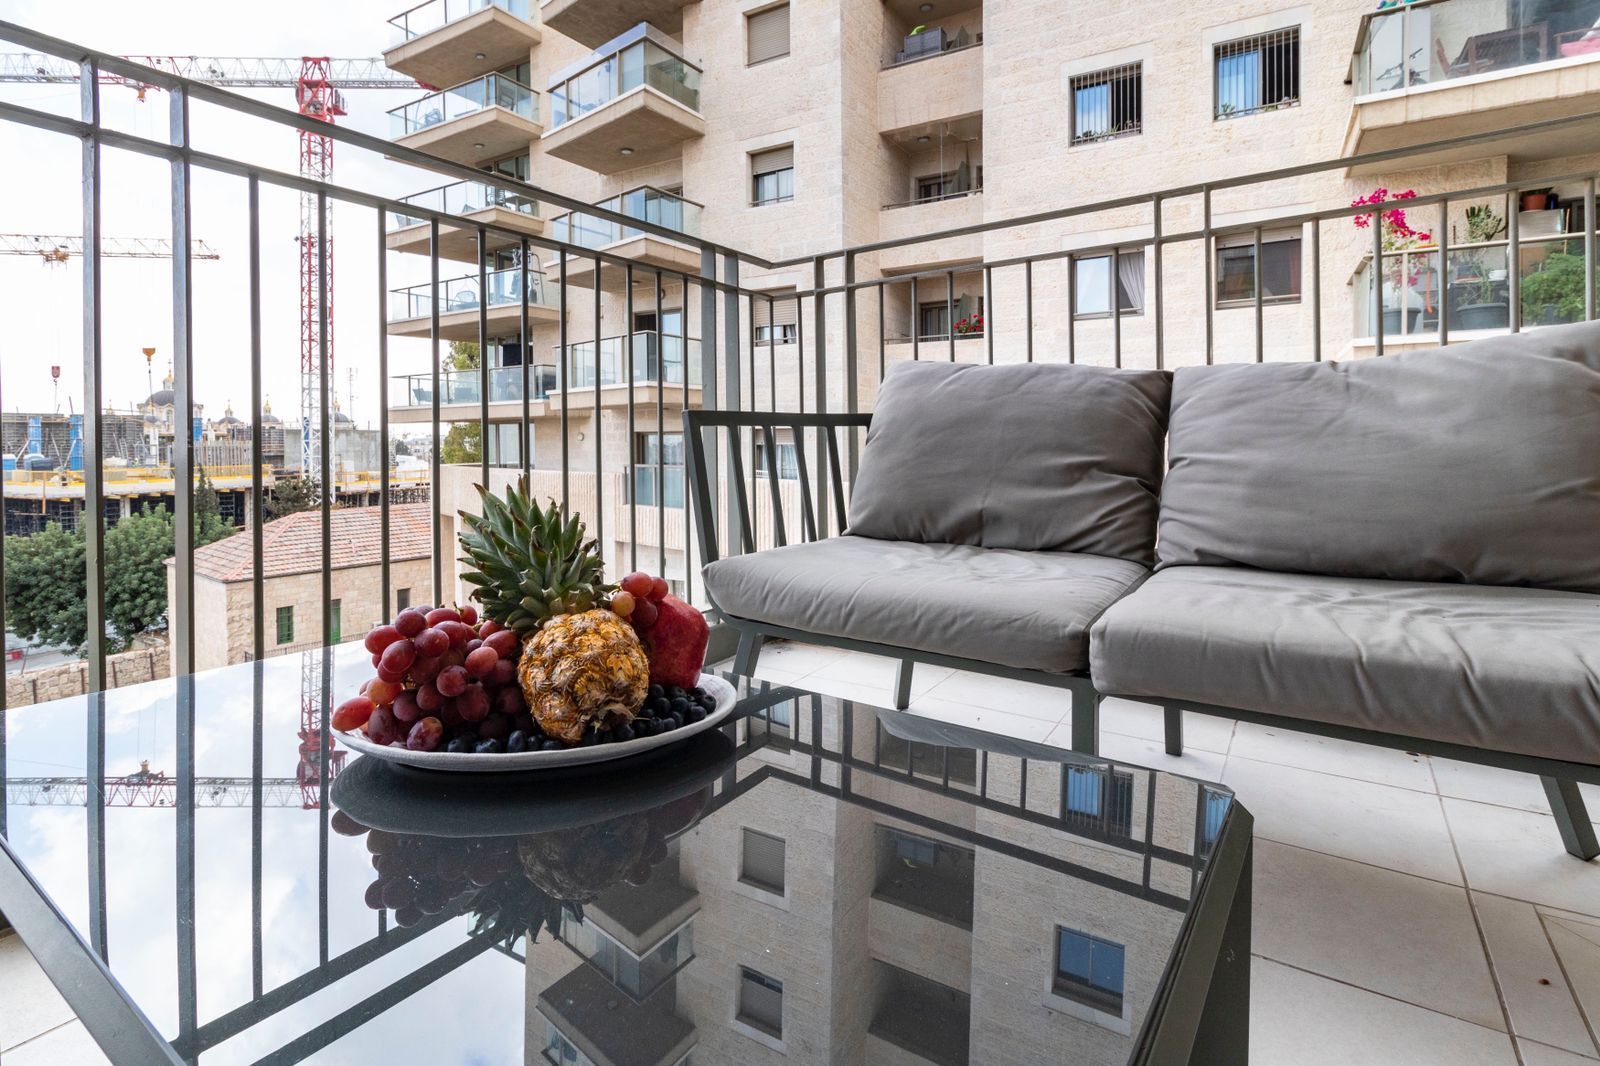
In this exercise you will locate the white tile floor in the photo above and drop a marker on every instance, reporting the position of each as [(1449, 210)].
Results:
[(1407, 910)]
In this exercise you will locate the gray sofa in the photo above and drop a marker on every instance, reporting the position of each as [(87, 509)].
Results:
[(1403, 551)]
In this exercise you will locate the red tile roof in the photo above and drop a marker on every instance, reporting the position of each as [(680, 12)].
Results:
[(293, 544)]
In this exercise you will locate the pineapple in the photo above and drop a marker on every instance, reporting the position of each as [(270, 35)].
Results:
[(534, 573)]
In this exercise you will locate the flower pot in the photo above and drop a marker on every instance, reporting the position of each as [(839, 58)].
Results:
[(1481, 316), (1391, 321), (1534, 201)]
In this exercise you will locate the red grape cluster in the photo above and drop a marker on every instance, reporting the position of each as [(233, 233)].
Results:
[(445, 680), (638, 598)]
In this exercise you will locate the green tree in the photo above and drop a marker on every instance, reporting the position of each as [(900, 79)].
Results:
[(463, 355), (208, 521), (137, 549), (462, 444), (44, 587), (293, 493)]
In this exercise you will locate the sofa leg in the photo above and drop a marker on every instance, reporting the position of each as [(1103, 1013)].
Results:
[(1085, 720), (902, 685), (1174, 722), (1566, 803), (749, 650)]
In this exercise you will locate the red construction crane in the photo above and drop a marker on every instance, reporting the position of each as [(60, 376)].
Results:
[(318, 82)]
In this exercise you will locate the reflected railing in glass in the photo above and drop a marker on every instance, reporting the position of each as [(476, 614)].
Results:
[(427, 17), (646, 203), (466, 386), (461, 198), (647, 367), (1426, 43), (461, 294), (468, 98), (635, 60)]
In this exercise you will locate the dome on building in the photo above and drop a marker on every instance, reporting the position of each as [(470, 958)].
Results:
[(267, 417), (227, 418), (161, 398)]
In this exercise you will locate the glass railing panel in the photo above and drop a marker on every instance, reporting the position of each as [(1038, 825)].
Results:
[(642, 62), (670, 74), (465, 386), (425, 18), (646, 204), (655, 359), (468, 98), (460, 198), (462, 294), (1425, 44)]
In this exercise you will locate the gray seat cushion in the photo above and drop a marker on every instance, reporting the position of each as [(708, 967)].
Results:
[(1476, 463), (1024, 609), (1506, 669), (1030, 456)]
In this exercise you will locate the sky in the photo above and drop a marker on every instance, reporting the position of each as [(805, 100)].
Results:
[(41, 305)]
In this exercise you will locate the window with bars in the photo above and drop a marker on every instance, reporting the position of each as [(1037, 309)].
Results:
[(285, 625), (1100, 799), (1280, 270), (1089, 970), (761, 1002), (762, 861), (1260, 73), (772, 175), (767, 35), (1107, 103)]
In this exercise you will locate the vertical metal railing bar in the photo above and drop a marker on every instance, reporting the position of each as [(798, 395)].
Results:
[(599, 416), (819, 356), (661, 438), (257, 769), (732, 386), (950, 312), (325, 809), (683, 425), (1260, 295), (436, 471), (883, 337), (525, 431), (1155, 233), (808, 517), (1316, 290), (384, 574), (988, 312), (632, 486), (1072, 309), (770, 440), (852, 363), (1116, 306), (1377, 282), (184, 840), (838, 477), (772, 356), (1444, 272), (325, 441), (746, 541), (1209, 257), (708, 391), (258, 599), (564, 377), (483, 357), (95, 773), (1513, 262), (181, 614), (750, 339), (1027, 303), (1588, 250), (94, 484), (799, 355), (916, 322)]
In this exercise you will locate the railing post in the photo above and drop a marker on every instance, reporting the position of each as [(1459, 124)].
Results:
[(1155, 206), (708, 392), (852, 399), (483, 355), (1261, 352), (1444, 272), (1588, 249), (1514, 262), (436, 473), (384, 572), (1316, 290), (819, 354), (181, 614), (1209, 256), (566, 363), (325, 434), (258, 602), (1377, 282), (92, 521)]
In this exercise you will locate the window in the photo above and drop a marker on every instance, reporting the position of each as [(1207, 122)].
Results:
[(777, 323), (772, 176), (762, 862), (933, 319), (936, 186), (1089, 970), (767, 34), (761, 1002), (285, 625), (927, 876), (402, 600), (927, 760), (335, 621), (1100, 800), (1258, 73), (1280, 270), (1107, 103), (637, 975), (559, 1050), (649, 450), (1092, 284), (788, 461)]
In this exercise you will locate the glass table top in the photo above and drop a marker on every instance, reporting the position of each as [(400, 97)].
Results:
[(819, 879)]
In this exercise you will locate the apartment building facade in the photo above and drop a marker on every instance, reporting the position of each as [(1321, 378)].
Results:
[(898, 126)]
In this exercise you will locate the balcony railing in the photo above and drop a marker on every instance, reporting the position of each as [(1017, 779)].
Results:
[(1434, 41), (466, 386), (648, 368), (636, 58), (427, 17), (461, 294), (646, 203), (468, 98), (934, 198), (937, 41), (460, 198)]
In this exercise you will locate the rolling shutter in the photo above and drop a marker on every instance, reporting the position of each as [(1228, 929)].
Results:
[(772, 160), (768, 33)]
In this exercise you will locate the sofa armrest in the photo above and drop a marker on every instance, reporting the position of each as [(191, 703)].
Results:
[(711, 435)]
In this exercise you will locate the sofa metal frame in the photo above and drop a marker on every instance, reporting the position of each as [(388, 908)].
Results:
[(1559, 778)]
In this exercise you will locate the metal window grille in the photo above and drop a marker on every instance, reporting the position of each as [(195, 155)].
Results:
[(1107, 103), (1260, 73)]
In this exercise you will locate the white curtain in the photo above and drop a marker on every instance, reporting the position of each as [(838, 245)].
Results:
[(1130, 276)]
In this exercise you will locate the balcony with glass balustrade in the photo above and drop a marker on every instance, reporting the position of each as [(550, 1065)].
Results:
[(594, 22), (662, 364), (633, 102), (446, 42), (460, 391), (648, 204), (477, 121), (462, 299), (475, 200)]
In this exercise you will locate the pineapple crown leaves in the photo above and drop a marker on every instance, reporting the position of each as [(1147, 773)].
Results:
[(527, 562)]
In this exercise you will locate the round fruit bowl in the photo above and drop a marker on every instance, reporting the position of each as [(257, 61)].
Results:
[(504, 762)]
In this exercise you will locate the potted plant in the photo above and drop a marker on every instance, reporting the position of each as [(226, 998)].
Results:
[(1535, 199), (1472, 277), (1554, 293), (1402, 272)]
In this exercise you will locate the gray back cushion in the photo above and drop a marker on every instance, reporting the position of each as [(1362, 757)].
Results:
[(1026, 456), (1476, 463)]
